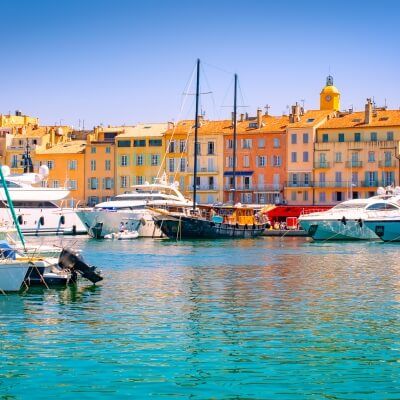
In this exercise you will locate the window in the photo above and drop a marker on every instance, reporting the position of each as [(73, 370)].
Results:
[(246, 161), (389, 135), (72, 164), (322, 179), (73, 184), (261, 143), (139, 159), (293, 195), (139, 180), (229, 144), (198, 146), (50, 164), (139, 143), (210, 147), (93, 165), (124, 160), (93, 183), (341, 137), (124, 143), (322, 197), (325, 138), (354, 178), (305, 195), (357, 137), (305, 156), (305, 138), (108, 183), (182, 166), (155, 160), (93, 150), (293, 138), (155, 142), (276, 161), (338, 177), (294, 179), (124, 181), (14, 162), (261, 161), (388, 159), (182, 146), (171, 165), (294, 156), (374, 137), (108, 149), (171, 147), (371, 156), (107, 165), (306, 179), (277, 143), (56, 184), (338, 157), (229, 161), (246, 143)]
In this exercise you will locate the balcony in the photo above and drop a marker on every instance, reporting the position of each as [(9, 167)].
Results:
[(206, 188), (299, 184), (387, 164), (321, 164), (204, 170), (248, 187), (354, 164)]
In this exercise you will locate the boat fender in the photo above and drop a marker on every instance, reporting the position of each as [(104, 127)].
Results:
[(267, 225), (237, 226), (360, 222), (41, 220), (143, 221), (246, 227), (62, 220), (74, 229), (20, 219), (254, 226), (344, 222)]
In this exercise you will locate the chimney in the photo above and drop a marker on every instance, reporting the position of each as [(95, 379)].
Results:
[(247, 116), (241, 117), (170, 125), (259, 118), (368, 112)]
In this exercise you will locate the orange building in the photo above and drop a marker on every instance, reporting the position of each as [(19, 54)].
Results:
[(260, 160)]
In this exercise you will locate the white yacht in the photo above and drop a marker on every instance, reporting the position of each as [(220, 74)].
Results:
[(346, 221), (39, 210), (132, 211)]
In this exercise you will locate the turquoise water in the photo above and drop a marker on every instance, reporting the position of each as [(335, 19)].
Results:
[(249, 319)]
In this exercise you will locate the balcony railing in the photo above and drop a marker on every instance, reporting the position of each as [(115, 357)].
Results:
[(354, 164), (340, 184), (204, 170), (322, 164), (299, 184), (203, 187), (386, 163)]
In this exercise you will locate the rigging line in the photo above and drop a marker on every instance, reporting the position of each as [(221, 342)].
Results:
[(218, 68), (189, 83), (204, 75), (241, 94), (227, 91)]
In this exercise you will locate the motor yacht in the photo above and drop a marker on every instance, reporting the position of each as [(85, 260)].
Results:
[(40, 210), (132, 211), (346, 221)]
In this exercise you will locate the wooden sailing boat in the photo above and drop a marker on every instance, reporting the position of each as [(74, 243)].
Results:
[(209, 222)]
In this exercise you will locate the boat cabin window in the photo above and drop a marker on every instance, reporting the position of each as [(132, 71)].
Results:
[(344, 206), (382, 206), (30, 204), (10, 184)]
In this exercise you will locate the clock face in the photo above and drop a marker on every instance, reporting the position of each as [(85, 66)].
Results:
[(328, 98)]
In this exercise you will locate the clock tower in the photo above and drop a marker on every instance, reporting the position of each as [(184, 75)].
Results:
[(330, 96)]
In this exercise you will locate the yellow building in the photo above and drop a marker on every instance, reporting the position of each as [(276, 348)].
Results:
[(17, 120), (355, 153), (139, 154), (66, 161), (100, 164)]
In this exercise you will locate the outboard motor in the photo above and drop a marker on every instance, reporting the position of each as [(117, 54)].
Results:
[(73, 261)]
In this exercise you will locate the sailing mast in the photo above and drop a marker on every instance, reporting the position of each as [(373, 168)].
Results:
[(234, 141), (196, 123)]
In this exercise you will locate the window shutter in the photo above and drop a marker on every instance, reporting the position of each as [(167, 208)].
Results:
[(103, 183), (88, 183)]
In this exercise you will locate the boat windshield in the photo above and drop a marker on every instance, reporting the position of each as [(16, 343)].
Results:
[(382, 206), (348, 206)]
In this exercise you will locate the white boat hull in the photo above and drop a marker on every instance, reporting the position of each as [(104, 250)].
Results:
[(12, 274), (101, 223), (387, 230), (32, 219), (337, 230)]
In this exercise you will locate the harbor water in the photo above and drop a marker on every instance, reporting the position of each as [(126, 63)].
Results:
[(263, 318)]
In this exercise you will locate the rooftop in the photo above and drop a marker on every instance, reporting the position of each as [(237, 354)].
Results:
[(144, 130), (71, 147)]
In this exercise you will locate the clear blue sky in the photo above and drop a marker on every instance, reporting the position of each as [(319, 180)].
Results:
[(117, 62)]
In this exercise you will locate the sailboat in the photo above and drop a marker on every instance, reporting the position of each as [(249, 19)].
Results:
[(210, 222)]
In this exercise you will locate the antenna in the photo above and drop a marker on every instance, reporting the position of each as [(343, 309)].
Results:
[(302, 103), (267, 107)]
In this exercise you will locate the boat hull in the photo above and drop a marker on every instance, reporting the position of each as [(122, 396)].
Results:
[(337, 230), (101, 223), (12, 275), (388, 231), (193, 228)]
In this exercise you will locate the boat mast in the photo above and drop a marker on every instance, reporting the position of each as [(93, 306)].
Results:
[(234, 141), (196, 123)]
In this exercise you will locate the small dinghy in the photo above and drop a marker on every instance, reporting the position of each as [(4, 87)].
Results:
[(124, 235)]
